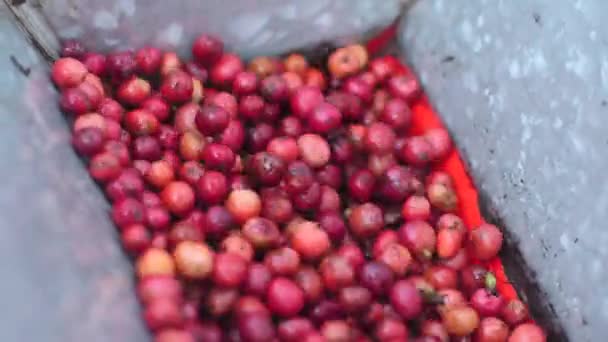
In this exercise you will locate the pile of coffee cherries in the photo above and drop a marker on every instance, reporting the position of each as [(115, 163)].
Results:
[(283, 199)]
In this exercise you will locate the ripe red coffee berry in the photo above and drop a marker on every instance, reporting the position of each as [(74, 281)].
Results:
[(309, 280), (157, 107), (235, 243), (342, 150), (290, 126), (440, 142), (441, 277), (163, 314), (169, 63), (128, 211), (380, 138), (298, 177), (207, 49), (396, 113), (284, 297), (492, 329), (153, 288), (315, 78), (155, 262), (486, 241), (324, 118), (191, 145), (148, 60), (134, 91), (355, 299), (261, 233), (157, 217), (416, 208), (449, 242), (75, 101), (487, 303), (417, 151), (257, 280), (292, 330), (224, 71), (197, 71), (358, 87), (88, 141), (514, 312), (282, 261), (348, 104), (120, 66), (91, 120), (256, 327), (178, 197), (397, 257), (419, 237), (405, 87), (309, 199), (225, 101), (309, 240), (314, 150), (258, 137), (343, 62), (336, 272), (212, 187), (528, 332), (229, 270), (233, 135), (442, 197), (333, 224), (251, 107), (274, 89), (285, 148), (220, 301), (278, 208), (266, 168), (68, 72), (396, 184), (366, 220), (160, 174), (135, 239), (406, 299), (146, 148), (193, 260), (245, 83), (391, 329), (337, 330), (177, 87), (305, 100), (174, 335), (95, 63), (110, 109), (141, 122), (218, 157), (212, 119), (460, 320), (243, 204), (185, 117), (361, 185)]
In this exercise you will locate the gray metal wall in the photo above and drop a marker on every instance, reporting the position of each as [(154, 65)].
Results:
[(523, 86)]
